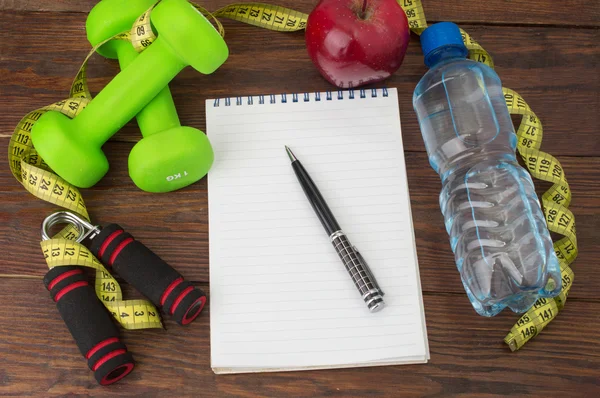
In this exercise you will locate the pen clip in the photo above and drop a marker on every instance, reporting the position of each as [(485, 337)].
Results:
[(368, 271)]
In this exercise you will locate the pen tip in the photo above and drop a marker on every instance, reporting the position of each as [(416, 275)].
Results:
[(290, 153)]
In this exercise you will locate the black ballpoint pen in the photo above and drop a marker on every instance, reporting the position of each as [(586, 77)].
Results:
[(353, 261)]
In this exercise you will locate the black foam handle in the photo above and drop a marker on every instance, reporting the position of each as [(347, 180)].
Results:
[(90, 324), (148, 273)]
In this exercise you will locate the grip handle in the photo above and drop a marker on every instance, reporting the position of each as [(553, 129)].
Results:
[(148, 273), (90, 324)]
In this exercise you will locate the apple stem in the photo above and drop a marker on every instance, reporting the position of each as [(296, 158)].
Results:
[(364, 10)]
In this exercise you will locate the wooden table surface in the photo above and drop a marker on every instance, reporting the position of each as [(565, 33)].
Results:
[(547, 50)]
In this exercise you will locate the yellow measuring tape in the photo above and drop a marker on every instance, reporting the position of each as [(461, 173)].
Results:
[(555, 201), (543, 166), (131, 314), (559, 218), (35, 176)]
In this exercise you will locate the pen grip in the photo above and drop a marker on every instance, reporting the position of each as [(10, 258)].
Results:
[(359, 271)]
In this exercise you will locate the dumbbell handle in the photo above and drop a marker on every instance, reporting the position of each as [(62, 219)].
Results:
[(116, 104), (72, 147), (160, 113)]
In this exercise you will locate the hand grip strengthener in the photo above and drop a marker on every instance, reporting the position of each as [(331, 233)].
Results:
[(138, 266), (89, 322)]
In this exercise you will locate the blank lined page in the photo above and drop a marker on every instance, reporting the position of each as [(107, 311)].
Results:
[(281, 298)]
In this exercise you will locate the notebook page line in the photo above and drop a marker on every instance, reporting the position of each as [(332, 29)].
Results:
[(259, 220)]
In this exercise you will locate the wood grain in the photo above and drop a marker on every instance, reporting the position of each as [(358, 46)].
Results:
[(175, 225), (553, 71), (541, 12), (467, 357), (546, 50)]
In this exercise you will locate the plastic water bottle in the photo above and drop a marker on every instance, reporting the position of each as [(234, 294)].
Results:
[(497, 229)]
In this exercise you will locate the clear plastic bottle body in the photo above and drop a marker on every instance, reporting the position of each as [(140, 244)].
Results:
[(497, 229)]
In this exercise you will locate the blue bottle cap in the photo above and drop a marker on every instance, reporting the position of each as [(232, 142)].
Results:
[(441, 35)]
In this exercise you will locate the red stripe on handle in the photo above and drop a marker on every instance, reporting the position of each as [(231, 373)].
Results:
[(107, 241), (121, 246), (187, 318), (169, 289), (64, 276), (67, 289), (100, 346), (108, 379), (180, 297), (108, 357)]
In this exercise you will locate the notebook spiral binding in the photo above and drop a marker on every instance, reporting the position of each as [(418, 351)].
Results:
[(304, 97)]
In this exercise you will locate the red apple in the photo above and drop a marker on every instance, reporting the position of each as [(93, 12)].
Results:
[(356, 42)]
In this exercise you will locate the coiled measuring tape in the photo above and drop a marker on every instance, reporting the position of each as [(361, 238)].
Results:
[(37, 178), (559, 218), (131, 314), (541, 165), (35, 175), (30, 169)]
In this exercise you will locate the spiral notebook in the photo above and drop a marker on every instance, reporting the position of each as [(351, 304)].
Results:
[(280, 297)]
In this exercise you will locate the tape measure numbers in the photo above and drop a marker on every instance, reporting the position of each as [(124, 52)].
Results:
[(33, 173), (132, 314), (555, 201), (265, 16)]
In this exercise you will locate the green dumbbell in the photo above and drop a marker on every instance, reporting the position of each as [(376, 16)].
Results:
[(169, 156), (72, 147)]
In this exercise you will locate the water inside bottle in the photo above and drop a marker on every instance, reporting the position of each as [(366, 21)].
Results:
[(497, 230)]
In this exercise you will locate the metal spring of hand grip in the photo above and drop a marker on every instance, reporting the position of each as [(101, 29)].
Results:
[(84, 228)]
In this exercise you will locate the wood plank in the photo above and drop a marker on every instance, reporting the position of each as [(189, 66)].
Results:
[(551, 68), (175, 224), (569, 12), (467, 357)]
